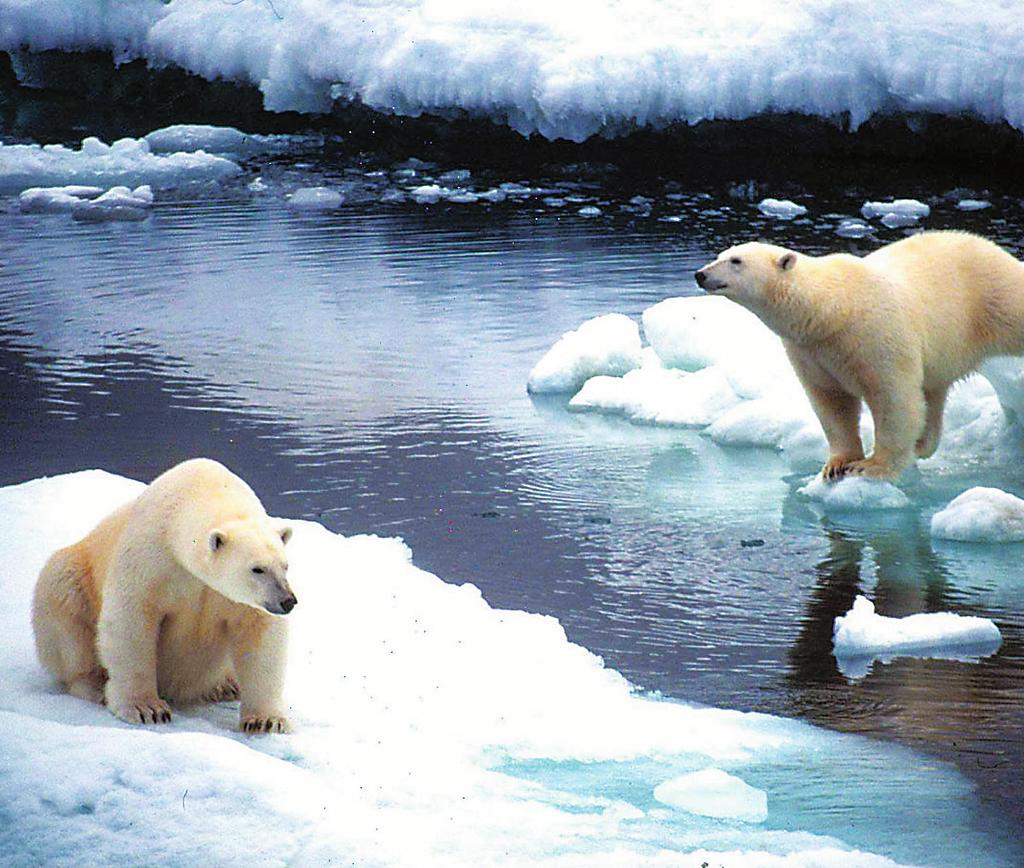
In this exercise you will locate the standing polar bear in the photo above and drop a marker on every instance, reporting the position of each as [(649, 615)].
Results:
[(172, 596), (896, 329)]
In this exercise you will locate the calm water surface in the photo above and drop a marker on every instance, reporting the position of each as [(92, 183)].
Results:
[(367, 368)]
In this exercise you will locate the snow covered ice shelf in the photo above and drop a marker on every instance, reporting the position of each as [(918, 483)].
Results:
[(432, 730), (566, 70)]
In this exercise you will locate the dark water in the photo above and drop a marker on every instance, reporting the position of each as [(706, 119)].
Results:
[(367, 368)]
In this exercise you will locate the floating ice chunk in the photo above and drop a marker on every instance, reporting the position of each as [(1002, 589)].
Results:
[(852, 228), (589, 211), (714, 793), (456, 176), (117, 204), (855, 493), (427, 194), (973, 204), (50, 200), (861, 633), (661, 396), (895, 221), (981, 515), (608, 344), (554, 201), (462, 197), (214, 140), (126, 161), (910, 209), (783, 209), (494, 195), (315, 199)]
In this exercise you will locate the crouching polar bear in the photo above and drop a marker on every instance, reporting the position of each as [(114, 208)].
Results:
[(895, 328), (172, 597)]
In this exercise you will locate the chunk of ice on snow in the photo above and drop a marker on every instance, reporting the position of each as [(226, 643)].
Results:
[(981, 515), (714, 793), (863, 633), (608, 344), (783, 209)]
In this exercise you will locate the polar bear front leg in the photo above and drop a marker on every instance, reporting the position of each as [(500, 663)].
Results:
[(126, 639), (260, 666)]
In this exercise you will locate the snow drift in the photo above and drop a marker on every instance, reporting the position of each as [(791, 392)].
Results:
[(566, 70)]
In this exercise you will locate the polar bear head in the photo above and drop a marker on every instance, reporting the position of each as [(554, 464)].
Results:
[(749, 274), (246, 562)]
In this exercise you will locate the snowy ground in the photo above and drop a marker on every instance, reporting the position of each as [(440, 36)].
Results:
[(432, 730), (566, 70)]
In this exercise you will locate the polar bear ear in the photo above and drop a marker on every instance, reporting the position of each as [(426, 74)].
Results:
[(217, 540), (787, 260), (286, 533)]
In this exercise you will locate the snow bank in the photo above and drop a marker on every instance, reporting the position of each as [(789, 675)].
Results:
[(711, 364), (414, 701), (981, 515), (861, 633), (608, 344), (561, 71), (96, 164), (714, 793)]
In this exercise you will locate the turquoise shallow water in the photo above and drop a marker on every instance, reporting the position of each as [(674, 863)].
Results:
[(367, 368)]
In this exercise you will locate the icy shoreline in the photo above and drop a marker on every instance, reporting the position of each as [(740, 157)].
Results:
[(554, 71)]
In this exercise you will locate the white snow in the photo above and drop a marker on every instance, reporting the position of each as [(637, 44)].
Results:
[(981, 514), (855, 493), (559, 69), (96, 164), (714, 793), (315, 199), (861, 633), (411, 698), (783, 209), (608, 344)]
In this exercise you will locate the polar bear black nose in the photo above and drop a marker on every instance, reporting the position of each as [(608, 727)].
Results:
[(700, 277), (288, 603)]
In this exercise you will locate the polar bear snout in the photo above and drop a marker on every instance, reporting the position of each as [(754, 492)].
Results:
[(279, 598), (707, 281)]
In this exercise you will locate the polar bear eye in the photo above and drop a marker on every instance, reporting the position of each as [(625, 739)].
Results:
[(258, 570), (736, 261)]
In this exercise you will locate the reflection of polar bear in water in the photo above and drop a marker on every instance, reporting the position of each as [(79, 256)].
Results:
[(171, 596), (896, 329)]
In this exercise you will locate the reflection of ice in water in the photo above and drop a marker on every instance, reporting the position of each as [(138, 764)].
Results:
[(433, 729)]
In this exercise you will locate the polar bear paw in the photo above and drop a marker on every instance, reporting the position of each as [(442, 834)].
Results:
[(226, 691), (141, 709), (869, 468), (254, 724), (838, 466)]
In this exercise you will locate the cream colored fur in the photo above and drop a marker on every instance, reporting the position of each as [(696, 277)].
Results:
[(895, 328), (170, 598)]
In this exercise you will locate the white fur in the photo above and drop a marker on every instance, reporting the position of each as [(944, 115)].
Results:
[(895, 329), (170, 597)]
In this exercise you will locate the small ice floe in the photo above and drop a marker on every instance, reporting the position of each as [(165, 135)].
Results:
[(861, 636), (981, 515), (117, 204), (89, 203), (973, 204), (714, 793), (97, 164), (315, 199), (589, 211), (608, 344), (455, 177), (427, 194), (899, 212), (783, 209), (854, 493), (853, 228), (215, 140)]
